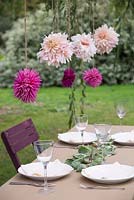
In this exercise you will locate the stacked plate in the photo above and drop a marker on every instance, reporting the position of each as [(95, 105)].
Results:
[(109, 173), (75, 137), (124, 138), (35, 170)]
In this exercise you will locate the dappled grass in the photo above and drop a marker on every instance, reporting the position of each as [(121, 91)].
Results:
[(50, 114)]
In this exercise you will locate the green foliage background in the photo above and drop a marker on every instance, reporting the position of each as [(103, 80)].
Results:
[(117, 67)]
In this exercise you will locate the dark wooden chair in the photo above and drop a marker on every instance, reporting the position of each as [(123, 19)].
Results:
[(18, 137)]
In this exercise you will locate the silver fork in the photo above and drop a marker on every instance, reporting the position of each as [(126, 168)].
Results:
[(68, 147), (101, 187), (31, 184)]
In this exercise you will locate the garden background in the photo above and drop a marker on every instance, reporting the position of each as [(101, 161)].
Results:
[(50, 112)]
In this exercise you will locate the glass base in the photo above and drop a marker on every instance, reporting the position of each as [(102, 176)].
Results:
[(46, 190)]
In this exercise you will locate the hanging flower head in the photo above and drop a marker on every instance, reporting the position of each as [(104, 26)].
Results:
[(55, 49), (26, 85), (83, 46), (105, 39), (92, 77), (68, 78)]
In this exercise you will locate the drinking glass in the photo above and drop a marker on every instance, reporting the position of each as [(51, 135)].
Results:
[(81, 122), (44, 150), (121, 111), (102, 132)]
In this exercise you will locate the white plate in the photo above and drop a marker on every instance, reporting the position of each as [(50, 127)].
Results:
[(126, 138), (75, 137), (35, 170), (109, 173)]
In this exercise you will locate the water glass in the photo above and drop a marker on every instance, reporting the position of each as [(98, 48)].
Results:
[(102, 132), (44, 150), (81, 122)]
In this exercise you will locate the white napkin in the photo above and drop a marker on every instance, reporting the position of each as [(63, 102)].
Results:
[(75, 137), (55, 168)]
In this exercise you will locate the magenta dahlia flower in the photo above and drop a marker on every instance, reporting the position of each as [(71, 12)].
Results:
[(56, 49), (105, 39), (92, 77), (68, 78), (26, 85)]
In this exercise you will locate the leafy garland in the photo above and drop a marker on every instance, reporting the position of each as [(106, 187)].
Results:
[(90, 155)]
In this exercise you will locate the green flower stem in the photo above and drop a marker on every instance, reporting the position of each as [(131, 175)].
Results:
[(71, 106), (83, 94)]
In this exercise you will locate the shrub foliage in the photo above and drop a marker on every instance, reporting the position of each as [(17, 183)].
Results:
[(117, 67)]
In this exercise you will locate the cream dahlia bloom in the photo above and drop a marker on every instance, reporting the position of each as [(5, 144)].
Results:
[(55, 49), (83, 46), (105, 39)]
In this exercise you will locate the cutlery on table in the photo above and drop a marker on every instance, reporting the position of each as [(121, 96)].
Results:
[(31, 184), (68, 147), (101, 187), (125, 146)]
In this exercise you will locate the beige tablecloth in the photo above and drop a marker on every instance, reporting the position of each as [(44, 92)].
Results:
[(68, 187)]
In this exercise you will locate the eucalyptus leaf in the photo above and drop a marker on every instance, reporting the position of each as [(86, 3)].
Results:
[(89, 155)]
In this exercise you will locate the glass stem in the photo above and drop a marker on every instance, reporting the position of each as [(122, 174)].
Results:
[(82, 134), (45, 176), (120, 121)]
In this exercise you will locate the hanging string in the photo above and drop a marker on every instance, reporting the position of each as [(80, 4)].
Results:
[(68, 21), (25, 29), (93, 24), (53, 13), (55, 9), (72, 95), (57, 15)]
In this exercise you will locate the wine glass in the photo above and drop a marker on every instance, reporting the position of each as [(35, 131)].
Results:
[(44, 150), (81, 122), (121, 111)]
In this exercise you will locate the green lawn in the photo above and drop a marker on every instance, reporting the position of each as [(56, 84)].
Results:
[(50, 114)]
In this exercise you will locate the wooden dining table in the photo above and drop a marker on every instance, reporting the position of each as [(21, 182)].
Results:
[(68, 187)]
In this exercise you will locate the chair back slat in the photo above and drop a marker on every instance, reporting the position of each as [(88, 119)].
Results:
[(20, 144), (18, 137)]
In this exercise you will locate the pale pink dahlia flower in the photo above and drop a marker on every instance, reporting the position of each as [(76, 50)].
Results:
[(56, 49), (92, 77), (105, 39), (26, 85), (83, 46)]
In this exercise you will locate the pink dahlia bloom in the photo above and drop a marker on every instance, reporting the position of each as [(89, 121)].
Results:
[(26, 85), (105, 39), (68, 78), (83, 46), (92, 77), (55, 49)]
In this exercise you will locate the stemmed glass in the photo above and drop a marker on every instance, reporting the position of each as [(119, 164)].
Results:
[(81, 122), (44, 150), (121, 111)]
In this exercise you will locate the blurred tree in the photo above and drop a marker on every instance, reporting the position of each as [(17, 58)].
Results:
[(117, 67)]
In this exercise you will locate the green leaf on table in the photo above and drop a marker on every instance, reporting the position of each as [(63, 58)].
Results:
[(90, 155)]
